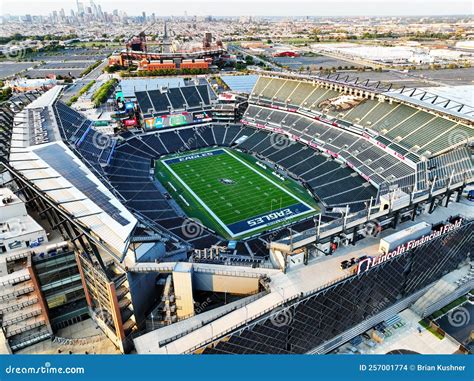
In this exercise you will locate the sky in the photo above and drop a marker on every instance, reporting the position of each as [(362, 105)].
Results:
[(252, 7)]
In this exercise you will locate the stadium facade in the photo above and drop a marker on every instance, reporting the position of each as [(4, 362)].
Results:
[(374, 159)]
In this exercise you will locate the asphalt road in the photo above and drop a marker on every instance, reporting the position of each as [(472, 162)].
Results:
[(81, 82)]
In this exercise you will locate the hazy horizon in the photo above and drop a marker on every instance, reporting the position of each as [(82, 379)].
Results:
[(315, 8)]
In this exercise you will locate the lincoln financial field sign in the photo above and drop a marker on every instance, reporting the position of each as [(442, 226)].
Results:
[(370, 262)]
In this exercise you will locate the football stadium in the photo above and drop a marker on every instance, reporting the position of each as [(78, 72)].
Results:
[(322, 211)]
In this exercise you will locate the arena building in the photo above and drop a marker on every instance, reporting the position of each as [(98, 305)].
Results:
[(217, 237)]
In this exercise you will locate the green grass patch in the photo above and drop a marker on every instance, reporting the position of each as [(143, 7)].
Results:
[(102, 93), (90, 68), (449, 307), (233, 191), (426, 324), (74, 98)]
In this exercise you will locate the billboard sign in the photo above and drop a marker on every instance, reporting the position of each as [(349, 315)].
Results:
[(227, 97), (203, 116), (130, 122), (154, 123), (176, 120), (370, 262)]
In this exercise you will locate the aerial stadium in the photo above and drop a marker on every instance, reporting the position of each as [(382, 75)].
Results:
[(323, 210)]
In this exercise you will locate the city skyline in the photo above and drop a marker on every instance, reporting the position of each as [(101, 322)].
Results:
[(259, 8)]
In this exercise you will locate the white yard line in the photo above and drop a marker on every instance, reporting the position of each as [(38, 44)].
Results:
[(270, 180), (221, 223), (203, 204)]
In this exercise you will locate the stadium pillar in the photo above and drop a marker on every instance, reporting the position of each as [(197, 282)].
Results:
[(116, 314), (448, 196), (432, 206), (74, 236), (396, 219), (458, 196), (52, 217), (354, 235), (413, 213)]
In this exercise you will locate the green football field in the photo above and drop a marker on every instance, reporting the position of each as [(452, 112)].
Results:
[(227, 192)]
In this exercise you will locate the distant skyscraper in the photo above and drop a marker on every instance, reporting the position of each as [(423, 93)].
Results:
[(80, 8)]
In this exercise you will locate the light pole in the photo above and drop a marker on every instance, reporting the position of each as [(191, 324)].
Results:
[(283, 292)]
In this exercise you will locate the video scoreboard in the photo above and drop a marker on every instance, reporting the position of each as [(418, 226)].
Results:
[(175, 120)]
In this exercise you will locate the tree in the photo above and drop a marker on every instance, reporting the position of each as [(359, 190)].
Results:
[(5, 94)]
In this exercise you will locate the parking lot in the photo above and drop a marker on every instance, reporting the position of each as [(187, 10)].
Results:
[(11, 68), (315, 63), (67, 62)]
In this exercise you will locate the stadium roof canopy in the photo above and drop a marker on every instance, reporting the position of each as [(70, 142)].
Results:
[(46, 99), (461, 94), (56, 171), (130, 86), (240, 83), (454, 101)]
